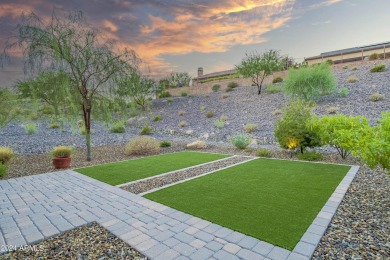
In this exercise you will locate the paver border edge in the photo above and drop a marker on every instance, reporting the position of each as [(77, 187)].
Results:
[(313, 235)]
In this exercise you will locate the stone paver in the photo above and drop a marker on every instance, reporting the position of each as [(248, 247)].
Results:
[(33, 208)]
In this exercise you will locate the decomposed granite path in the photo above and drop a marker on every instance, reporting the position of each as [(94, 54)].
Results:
[(34, 208)]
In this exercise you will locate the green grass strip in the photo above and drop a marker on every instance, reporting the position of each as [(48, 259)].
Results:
[(131, 170), (272, 200)]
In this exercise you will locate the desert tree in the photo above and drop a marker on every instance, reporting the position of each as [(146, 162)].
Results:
[(258, 66), (67, 43)]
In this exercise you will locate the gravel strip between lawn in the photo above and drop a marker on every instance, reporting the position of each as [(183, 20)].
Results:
[(86, 242), (160, 181)]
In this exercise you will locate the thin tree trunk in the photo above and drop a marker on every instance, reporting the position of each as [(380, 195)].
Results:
[(88, 141), (87, 122)]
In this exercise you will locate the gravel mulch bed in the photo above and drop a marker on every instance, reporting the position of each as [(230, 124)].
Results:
[(86, 242), (157, 182)]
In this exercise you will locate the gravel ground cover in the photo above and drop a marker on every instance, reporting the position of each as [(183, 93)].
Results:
[(86, 242), (160, 181)]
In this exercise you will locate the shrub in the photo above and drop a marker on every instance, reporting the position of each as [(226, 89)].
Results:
[(209, 114), (157, 118), (293, 126), (219, 123), (378, 68), (165, 94), (310, 156), (277, 80), (309, 83), (329, 62), (3, 170), (332, 110), (118, 127), (273, 89), (224, 118), (262, 152), (34, 116), (183, 123), (228, 90), (181, 112), (30, 128), (340, 131), (169, 100), (142, 145), (345, 67), (202, 108), (183, 93), (62, 151), (146, 129), (83, 131), (232, 85), (54, 125), (47, 110), (240, 141), (215, 87), (249, 128), (6, 154), (133, 109), (354, 68), (277, 112), (373, 56), (224, 96), (376, 97), (165, 144), (352, 79), (343, 92), (197, 145)]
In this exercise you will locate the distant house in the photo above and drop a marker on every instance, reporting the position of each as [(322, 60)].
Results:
[(352, 54), (201, 77)]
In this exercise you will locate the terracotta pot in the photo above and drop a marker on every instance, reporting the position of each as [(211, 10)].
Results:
[(61, 162)]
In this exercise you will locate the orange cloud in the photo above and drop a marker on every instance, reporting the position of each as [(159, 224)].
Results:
[(110, 26)]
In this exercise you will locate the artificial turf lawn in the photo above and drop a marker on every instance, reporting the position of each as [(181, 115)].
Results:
[(272, 200), (131, 170)]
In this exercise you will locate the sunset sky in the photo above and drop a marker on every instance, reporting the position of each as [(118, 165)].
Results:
[(182, 35)]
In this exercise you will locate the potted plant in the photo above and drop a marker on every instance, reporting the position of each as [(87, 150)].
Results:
[(61, 157)]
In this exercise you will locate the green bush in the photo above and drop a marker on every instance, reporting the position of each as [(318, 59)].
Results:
[(34, 116), (378, 68), (233, 76), (118, 127), (293, 126), (215, 87), (352, 79), (165, 94), (342, 132), (157, 118), (169, 100), (277, 80), (329, 62), (354, 68), (6, 154), (240, 141), (209, 114), (376, 97), (310, 83), (273, 89), (184, 93), (47, 110), (54, 125), (232, 85), (3, 170), (146, 129), (262, 152), (310, 156), (165, 144), (30, 128), (343, 92), (62, 151), (142, 145), (219, 123), (249, 128), (373, 56)]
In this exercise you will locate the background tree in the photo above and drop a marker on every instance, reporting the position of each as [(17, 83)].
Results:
[(72, 46), (258, 66), (176, 78), (293, 127), (8, 107), (309, 83)]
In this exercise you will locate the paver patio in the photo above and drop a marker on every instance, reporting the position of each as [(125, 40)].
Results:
[(36, 207)]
